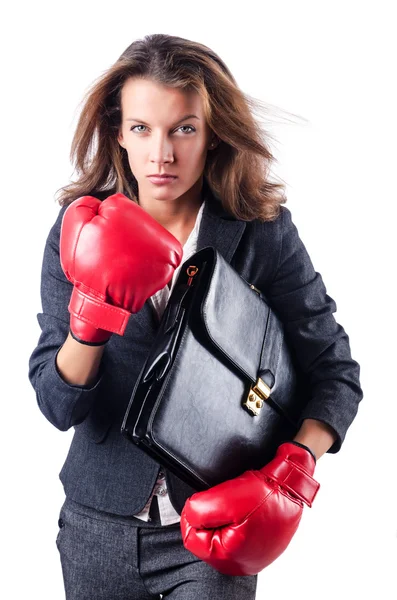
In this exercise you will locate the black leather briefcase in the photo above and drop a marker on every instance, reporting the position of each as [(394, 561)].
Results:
[(220, 389)]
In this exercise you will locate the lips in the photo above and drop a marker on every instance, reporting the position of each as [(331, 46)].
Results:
[(162, 176), (164, 180)]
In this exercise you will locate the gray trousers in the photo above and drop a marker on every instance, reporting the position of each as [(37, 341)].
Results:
[(110, 557)]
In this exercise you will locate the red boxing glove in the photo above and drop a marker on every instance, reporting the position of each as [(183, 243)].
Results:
[(242, 525), (117, 256)]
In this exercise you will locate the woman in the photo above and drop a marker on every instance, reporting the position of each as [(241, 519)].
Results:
[(171, 159)]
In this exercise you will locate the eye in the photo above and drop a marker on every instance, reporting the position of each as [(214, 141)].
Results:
[(181, 127), (188, 127), (135, 126)]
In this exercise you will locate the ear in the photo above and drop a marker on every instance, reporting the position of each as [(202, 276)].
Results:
[(120, 139)]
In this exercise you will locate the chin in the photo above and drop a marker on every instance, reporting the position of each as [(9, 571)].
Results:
[(167, 191)]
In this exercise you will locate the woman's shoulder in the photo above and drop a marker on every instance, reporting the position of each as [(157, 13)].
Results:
[(270, 228)]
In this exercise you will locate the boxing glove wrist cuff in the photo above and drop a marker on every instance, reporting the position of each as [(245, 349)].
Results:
[(74, 336), (305, 448), (98, 313), (292, 471), (297, 482)]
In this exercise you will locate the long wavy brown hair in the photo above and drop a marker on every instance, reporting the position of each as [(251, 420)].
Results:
[(237, 170)]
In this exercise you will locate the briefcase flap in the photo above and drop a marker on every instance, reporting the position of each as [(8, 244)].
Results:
[(235, 317)]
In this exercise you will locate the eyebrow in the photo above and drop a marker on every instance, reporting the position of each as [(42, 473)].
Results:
[(180, 120)]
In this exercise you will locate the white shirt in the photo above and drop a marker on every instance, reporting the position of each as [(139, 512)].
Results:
[(168, 514)]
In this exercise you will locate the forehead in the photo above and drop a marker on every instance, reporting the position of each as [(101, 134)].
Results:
[(143, 97)]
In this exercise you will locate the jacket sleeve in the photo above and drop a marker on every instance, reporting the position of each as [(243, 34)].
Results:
[(300, 298), (63, 404)]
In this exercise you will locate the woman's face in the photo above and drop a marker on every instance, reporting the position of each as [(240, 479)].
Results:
[(160, 138)]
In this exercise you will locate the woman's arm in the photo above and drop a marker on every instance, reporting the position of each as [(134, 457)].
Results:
[(321, 345), (78, 364), (318, 436), (65, 376)]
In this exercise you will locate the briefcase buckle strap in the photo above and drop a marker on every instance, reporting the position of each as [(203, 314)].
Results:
[(256, 397), (191, 271)]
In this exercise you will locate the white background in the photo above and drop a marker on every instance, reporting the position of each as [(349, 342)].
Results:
[(334, 65)]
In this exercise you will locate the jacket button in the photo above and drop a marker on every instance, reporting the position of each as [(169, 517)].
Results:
[(61, 523)]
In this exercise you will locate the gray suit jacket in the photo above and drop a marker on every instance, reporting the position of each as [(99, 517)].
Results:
[(104, 470)]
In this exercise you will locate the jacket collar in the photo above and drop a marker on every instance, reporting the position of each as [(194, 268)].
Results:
[(218, 228)]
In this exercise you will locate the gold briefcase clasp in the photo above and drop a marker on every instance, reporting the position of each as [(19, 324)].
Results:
[(256, 397)]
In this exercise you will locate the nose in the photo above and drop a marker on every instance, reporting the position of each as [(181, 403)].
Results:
[(161, 150)]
